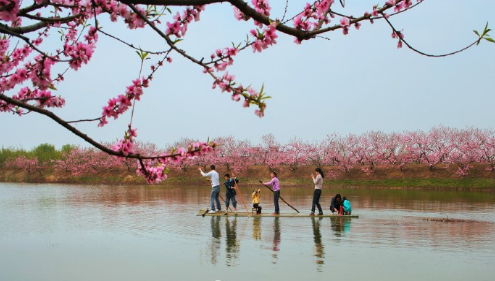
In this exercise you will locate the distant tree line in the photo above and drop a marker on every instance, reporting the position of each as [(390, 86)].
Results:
[(460, 148)]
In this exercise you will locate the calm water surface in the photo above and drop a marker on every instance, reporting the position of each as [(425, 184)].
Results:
[(71, 232)]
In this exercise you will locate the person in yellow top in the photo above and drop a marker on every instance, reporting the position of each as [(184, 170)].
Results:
[(256, 195)]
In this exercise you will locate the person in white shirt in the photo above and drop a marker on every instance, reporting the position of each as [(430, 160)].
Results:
[(215, 188), (318, 181)]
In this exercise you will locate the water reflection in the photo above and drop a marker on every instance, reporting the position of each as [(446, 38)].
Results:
[(340, 225), (276, 239), (215, 243), (93, 225), (257, 228), (231, 241), (319, 250)]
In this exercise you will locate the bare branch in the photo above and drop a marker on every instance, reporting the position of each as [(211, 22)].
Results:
[(423, 53)]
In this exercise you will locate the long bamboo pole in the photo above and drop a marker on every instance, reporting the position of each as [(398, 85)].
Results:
[(279, 197), (240, 195)]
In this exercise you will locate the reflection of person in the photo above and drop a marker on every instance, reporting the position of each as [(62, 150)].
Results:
[(335, 204), (215, 188), (215, 241), (232, 244), (230, 192), (337, 225), (256, 229), (275, 184), (276, 239), (256, 196), (319, 253), (340, 225), (347, 206), (318, 181)]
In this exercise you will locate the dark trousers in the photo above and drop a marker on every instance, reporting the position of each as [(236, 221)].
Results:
[(276, 196), (230, 197), (316, 201), (258, 208)]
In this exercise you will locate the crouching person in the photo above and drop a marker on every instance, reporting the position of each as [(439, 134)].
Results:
[(336, 205), (347, 206)]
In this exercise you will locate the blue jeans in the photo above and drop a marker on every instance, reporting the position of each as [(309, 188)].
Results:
[(276, 195), (316, 201), (215, 193)]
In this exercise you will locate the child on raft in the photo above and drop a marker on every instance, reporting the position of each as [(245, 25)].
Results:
[(256, 196)]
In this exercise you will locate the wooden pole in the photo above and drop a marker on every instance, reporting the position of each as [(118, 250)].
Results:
[(279, 197), (240, 195)]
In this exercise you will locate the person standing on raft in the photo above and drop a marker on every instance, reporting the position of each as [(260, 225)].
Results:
[(318, 181), (275, 184), (230, 193), (215, 188)]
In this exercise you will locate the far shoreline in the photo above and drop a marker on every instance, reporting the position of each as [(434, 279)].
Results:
[(413, 177)]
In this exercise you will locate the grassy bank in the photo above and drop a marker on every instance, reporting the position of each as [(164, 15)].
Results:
[(412, 177)]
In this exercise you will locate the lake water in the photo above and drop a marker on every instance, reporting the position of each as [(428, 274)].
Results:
[(74, 232)]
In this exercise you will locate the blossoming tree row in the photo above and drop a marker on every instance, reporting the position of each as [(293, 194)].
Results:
[(459, 147)]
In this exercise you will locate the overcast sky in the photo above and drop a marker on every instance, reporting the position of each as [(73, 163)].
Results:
[(350, 84)]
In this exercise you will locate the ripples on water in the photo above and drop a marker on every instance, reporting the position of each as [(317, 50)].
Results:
[(55, 232)]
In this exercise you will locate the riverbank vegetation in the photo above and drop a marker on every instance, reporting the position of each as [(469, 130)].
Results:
[(441, 158)]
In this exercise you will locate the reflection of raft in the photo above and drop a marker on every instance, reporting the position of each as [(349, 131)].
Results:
[(285, 215)]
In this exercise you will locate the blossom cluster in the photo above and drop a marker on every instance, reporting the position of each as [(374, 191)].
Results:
[(117, 106), (264, 38), (227, 84), (126, 145), (10, 10), (152, 174), (312, 14), (179, 26), (223, 58)]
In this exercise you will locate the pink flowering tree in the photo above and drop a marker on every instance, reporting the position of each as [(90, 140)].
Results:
[(23, 163), (83, 161), (295, 154), (273, 152), (43, 40), (233, 154)]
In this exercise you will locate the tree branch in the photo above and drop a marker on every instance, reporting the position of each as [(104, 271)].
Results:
[(78, 133)]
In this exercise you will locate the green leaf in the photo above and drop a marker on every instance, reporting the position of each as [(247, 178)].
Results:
[(476, 32), (52, 87), (490, 39)]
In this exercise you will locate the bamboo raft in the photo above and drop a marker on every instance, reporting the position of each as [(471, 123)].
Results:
[(285, 215)]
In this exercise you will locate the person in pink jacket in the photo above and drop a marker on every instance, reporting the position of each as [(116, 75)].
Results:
[(275, 184)]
